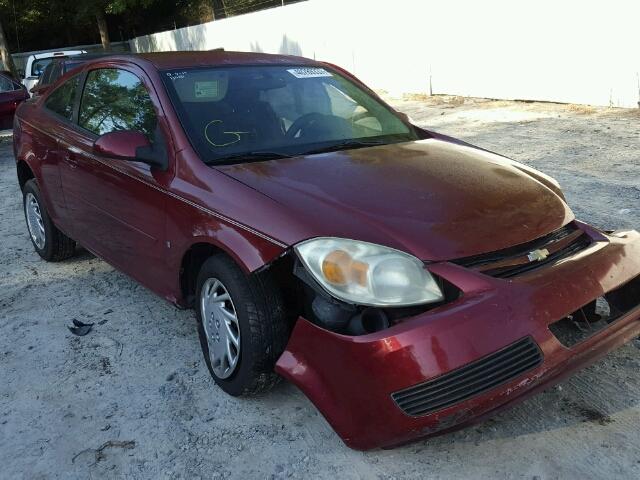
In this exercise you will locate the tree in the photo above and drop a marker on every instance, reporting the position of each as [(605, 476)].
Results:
[(7, 59), (98, 9), (196, 11), (5, 51), (104, 30)]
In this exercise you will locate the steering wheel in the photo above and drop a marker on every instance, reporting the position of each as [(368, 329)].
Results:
[(302, 123)]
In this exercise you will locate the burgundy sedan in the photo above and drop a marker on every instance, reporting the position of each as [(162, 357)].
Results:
[(407, 282), (12, 94)]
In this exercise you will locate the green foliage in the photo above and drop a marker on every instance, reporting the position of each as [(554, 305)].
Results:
[(231, 8), (42, 24), (91, 7), (120, 6)]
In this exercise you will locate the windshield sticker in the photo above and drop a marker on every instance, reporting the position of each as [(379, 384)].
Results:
[(176, 75), (207, 89), (309, 72)]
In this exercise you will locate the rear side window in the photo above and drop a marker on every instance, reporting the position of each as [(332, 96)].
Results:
[(61, 99), (6, 85), (115, 99)]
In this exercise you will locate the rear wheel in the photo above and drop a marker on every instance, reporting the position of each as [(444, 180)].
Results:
[(50, 243), (242, 326)]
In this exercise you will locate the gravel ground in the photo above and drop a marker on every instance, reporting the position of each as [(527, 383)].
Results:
[(133, 399)]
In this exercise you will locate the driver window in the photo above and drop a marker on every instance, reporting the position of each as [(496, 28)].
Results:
[(115, 99)]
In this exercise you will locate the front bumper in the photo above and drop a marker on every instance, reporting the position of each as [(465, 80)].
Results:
[(351, 379)]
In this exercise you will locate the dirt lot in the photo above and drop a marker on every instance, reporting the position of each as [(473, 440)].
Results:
[(139, 378)]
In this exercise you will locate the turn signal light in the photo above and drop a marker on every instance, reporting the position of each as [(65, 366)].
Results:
[(339, 268)]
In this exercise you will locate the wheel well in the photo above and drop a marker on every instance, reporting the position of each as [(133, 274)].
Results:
[(191, 263), (24, 173), (280, 271)]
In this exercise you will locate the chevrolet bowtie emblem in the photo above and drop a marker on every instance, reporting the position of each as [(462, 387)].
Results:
[(538, 255)]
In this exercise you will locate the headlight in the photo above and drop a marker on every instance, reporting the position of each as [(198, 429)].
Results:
[(368, 274)]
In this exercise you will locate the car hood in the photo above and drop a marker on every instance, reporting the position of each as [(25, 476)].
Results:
[(434, 199)]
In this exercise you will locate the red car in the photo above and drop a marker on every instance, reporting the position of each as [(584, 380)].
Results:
[(409, 283), (12, 94)]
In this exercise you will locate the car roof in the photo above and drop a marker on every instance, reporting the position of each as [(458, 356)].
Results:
[(210, 58), (78, 59), (68, 63), (83, 56)]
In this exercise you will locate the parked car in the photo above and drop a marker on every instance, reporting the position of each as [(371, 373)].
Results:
[(38, 62), (57, 68), (8, 73), (407, 282), (12, 94)]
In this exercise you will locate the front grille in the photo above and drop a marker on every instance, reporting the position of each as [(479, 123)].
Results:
[(471, 380), (513, 261)]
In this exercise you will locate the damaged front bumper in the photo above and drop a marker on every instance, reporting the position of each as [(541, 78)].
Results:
[(398, 384)]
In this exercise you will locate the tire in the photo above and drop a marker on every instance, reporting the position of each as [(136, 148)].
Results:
[(50, 243), (261, 321)]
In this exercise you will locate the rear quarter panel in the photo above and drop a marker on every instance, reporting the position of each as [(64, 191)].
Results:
[(34, 145)]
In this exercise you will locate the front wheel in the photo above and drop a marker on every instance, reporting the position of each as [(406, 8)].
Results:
[(50, 243), (242, 326)]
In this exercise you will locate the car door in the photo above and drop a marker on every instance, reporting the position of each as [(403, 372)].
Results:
[(11, 94), (52, 121), (117, 206)]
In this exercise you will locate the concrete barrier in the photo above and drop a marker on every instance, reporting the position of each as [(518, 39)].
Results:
[(565, 51)]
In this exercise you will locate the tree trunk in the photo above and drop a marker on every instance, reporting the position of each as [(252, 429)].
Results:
[(104, 30), (205, 11), (7, 59)]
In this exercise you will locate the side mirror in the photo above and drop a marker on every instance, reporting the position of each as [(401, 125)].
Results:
[(21, 73), (131, 146), (121, 144)]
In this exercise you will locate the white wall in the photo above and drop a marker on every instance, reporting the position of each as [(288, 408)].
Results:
[(558, 50)]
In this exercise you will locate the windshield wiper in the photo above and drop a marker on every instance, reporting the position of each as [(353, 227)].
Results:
[(260, 156), (247, 157), (349, 145)]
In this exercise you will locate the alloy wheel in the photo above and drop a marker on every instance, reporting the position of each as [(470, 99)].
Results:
[(34, 220), (221, 327)]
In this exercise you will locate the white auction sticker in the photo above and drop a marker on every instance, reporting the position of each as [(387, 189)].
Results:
[(206, 89), (309, 72)]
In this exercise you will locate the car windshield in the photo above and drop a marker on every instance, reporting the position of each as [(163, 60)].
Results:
[(240, 114)]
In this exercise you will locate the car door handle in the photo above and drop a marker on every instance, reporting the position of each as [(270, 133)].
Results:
[(71, 159)]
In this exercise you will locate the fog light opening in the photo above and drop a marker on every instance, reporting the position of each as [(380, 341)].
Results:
[(370, 320)]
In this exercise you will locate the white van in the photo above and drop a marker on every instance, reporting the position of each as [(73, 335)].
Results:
[(38, 62)]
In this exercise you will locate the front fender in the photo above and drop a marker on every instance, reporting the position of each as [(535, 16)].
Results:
[(190, 224)]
